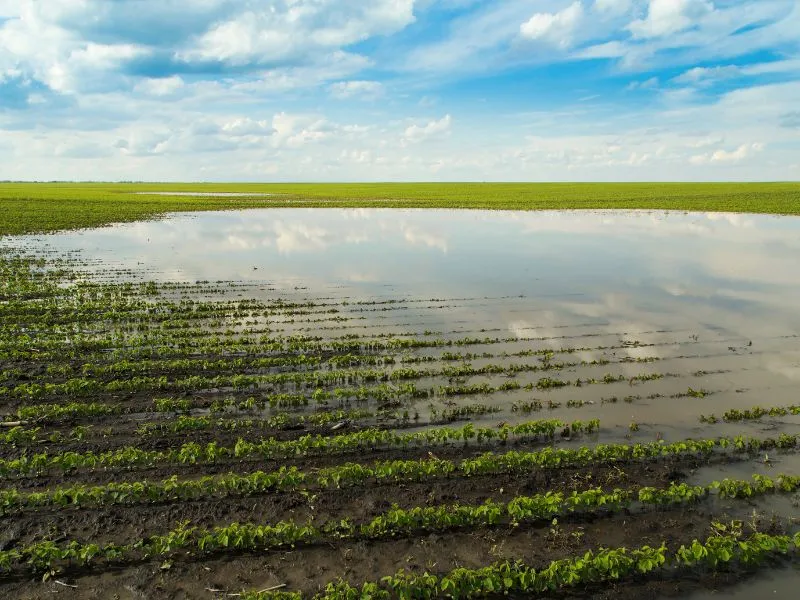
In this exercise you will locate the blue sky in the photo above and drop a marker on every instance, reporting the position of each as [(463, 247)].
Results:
[(386, 90)]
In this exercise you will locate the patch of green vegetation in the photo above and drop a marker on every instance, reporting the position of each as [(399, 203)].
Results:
[(39, 207)]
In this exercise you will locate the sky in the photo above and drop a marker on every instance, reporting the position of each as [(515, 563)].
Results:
[(399, 90)]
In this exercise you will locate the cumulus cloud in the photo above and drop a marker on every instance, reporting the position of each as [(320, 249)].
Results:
[(282, 31), (419, 133), (162, 86), (142, 142), (294, 131), (356, 156), (248, 127), (665, 17), (724, 156), (204, 135), (332, 66), (57, 58), (556, 28), (84, 44), (616, 7)]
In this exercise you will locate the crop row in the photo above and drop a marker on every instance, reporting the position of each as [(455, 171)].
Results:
[(76, 307), (594, 567), (19, 344), (81, 387), (22, 346), (184, 423), (77, 409), (107, 346), (89, 384), (240, 364), (47, 555), (753, 414), (22, 436), (307, 445), (381, 393), (355, 474)]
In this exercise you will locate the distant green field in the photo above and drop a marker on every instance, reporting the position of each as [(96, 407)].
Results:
[(33, 207)]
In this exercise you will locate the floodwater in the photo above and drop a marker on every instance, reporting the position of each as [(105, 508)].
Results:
[(771, 585), (709, 301), (712, 298), (716, 272)]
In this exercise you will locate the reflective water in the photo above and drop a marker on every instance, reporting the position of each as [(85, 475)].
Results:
[(737, 273), (712, 297), (773, 585)]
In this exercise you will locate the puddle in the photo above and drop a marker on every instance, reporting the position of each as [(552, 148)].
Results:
[(777, 584)]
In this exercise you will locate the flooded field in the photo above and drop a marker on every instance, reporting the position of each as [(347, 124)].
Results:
[(288, 402)]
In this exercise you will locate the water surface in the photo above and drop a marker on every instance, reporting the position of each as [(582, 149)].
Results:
[(713, 292)]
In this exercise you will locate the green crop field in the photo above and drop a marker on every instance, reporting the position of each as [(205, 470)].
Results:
[(34, 207)]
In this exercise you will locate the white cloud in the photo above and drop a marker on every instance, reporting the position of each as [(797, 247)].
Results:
[(143, 142), (334, 65), (9, 9), (613, 49), (418, 133), (665, 17), (43, 50), (665, 34), (699, 75), (740, 153), (294, 131), (356, 156), (248, 127), (163, 86), (724, 156), (616, 7), (556, 28), (791, 65), (343, 90), (291, 30), (85, 45)]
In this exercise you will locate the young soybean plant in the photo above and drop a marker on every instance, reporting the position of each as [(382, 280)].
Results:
[(600, 566)]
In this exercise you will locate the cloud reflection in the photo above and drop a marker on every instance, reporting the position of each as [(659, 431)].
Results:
[(636, 270), (297, 237), (417, 237)]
